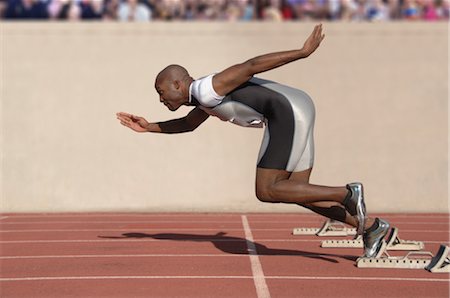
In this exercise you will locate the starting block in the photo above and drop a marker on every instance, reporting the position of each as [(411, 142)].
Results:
[(440, 263), (329, 228), (393, 242)]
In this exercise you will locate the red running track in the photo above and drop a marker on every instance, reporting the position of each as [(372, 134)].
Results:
[(200, 255)]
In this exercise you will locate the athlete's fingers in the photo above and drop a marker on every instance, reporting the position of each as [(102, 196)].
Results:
[(315, 30), (126, 120), (123, 114), (122, 118), (126, 116), (319, 31), (318, 28), (127, 124)]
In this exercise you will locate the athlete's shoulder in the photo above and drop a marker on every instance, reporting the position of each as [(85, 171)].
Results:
[(203, 91)]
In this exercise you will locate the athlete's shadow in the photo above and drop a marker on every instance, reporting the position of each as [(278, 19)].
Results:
[(234, 245)]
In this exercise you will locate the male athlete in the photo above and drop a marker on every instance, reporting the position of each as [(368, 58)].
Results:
[(286, 156)]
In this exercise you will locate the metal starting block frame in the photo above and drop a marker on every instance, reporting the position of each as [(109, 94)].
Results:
[(329, 228), (440, 263), (393, 242)]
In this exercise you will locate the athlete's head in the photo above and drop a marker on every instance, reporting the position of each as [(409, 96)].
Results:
[(172, 85)]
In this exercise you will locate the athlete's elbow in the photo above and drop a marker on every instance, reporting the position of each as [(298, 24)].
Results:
[(249, 68)]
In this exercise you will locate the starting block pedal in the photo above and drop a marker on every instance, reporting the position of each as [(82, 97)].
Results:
[(329, 228), (440, 263), (393, 242)]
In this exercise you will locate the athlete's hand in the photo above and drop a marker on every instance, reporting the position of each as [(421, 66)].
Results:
[(313, 41), (136, 123)]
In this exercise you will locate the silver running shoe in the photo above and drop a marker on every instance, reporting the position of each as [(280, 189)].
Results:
[(356, 205), (373, 239)]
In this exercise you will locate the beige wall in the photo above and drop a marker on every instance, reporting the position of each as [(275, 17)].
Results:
[(381, 93)]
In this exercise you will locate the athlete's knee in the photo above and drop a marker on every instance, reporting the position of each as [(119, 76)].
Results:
[(265, 194)]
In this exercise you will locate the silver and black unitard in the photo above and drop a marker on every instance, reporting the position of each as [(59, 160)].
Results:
[(287, 113)]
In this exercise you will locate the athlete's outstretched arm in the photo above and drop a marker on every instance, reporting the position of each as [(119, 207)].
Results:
[(188, 123), (236, 75)]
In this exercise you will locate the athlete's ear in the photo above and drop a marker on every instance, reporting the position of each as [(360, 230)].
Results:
[(176, 83)]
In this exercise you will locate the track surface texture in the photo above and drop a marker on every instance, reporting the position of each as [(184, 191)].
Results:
[(201, 255)]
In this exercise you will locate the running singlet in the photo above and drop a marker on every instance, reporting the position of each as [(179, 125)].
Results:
[(287, 113)]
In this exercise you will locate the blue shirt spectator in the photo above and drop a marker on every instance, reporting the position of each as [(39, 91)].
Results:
[(26, 9)]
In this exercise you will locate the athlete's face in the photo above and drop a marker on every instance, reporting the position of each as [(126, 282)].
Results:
[(170, 94)]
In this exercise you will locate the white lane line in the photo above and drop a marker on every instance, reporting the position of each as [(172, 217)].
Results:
[(47, 278), (262, 291), (359, 278), (126, 240), (148, 230), (196, 215), (3, 217), (120, 256), (118, 222)]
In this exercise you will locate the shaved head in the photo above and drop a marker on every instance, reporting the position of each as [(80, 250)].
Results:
[(173, 72), (172, 84)]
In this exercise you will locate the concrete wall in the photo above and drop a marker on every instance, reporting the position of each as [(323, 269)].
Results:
[(381, 93)]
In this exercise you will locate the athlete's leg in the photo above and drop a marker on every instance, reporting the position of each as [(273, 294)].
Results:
[(271, 183), (328, 209), (275, 186)]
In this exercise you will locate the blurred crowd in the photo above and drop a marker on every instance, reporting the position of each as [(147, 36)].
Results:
[(226, 10)]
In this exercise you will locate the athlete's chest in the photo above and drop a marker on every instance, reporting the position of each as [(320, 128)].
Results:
[(236, 113)]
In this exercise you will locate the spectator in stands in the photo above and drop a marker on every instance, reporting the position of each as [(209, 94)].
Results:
[(65, 10), (334, 10), (271, 11), (410, 10), (248, 10), (55, 7), (73, 12), (395, 9), (110, 10), (232, 13), (3, 7), (171, 10), (377, 10), (347, 10), (444, 9), (133, 10), (91, 9)]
